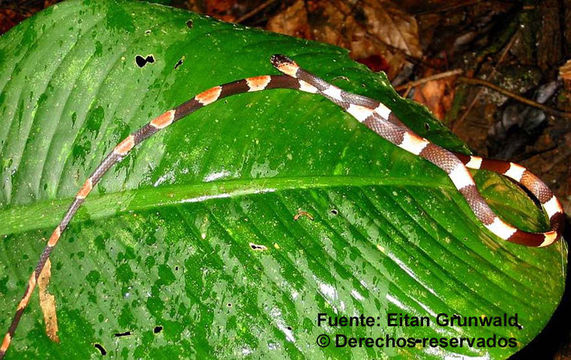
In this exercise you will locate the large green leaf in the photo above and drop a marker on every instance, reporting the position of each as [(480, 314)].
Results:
[(167, 238)]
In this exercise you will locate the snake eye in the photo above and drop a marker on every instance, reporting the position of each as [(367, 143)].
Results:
[(279, 59)]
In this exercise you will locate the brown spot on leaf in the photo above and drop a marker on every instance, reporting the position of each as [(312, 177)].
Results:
[(47, 303), (301, 213)]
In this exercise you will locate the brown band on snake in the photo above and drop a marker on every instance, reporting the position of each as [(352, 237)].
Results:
[(471, 194), (440, 157), (392, 134), (536, 187)]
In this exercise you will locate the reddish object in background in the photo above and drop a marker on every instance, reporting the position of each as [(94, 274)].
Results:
[(8, 19), (375, 63)]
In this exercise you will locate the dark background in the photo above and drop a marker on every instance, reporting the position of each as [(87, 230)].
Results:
[(493, 71)]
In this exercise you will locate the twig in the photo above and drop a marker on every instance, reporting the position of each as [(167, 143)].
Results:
[(517, 97), (531, 154), (460, 4), (390, 47), (562, 157), (458, 122), (254, 11), (438, 76)]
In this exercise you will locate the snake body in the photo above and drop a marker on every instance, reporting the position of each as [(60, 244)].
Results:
[(370, 112)]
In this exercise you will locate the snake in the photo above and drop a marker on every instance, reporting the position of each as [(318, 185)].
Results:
[(373, 114)]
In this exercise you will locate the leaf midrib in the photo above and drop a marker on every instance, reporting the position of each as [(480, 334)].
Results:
[(47, 214)]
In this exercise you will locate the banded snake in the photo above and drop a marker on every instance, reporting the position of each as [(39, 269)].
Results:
[(375, 115)]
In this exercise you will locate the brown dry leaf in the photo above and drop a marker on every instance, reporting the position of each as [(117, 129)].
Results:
[(433, 6), (8, 19), (219, 9), (292, 21), (48, 303), (565, 70), (437, 95), (48, 3), (368, 29), (565, 73), (393, 26)]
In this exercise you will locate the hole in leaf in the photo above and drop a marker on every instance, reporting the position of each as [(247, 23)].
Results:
[(229, 304), (334, 211), (142, 61), (427, 126), (178, 63), (258, 247), (157, 329), (189, 24), (101, 349), (126, 333), (148, 31)]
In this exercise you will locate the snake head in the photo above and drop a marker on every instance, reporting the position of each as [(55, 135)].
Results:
[(284, 64)]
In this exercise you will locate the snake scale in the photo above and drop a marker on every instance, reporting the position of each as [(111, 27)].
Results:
[(374, 115)]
